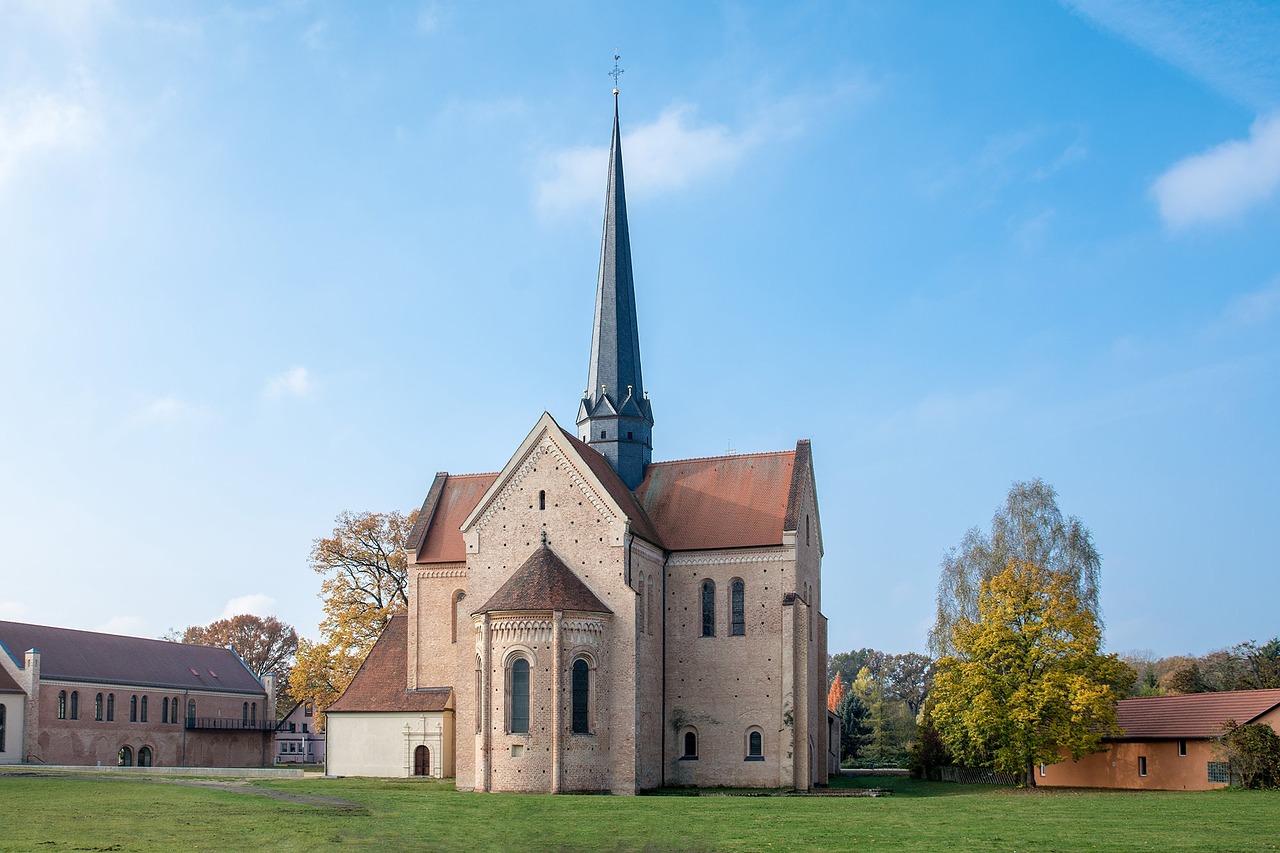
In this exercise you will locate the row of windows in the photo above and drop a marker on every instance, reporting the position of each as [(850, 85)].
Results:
[(517, 689), (737, 608), (753, 744), (294, 746), (104, 708)]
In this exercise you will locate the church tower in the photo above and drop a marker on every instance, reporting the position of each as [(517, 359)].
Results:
[(615, 416)]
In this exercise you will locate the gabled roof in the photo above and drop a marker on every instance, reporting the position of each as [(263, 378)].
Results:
[(379, 684), (735, 501), (70, 655), (544, 582), (641, 524), (1192, 715), (436, 536), (7, 684)]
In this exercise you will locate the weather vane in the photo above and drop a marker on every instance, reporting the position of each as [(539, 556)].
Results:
[(616, 72)]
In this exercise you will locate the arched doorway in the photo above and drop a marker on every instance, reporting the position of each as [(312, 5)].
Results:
[(125, 757), (421, 761)]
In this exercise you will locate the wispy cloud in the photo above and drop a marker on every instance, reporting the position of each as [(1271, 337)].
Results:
[(314, 35), (127, 625), (294, 382), (256, 604), (32, 124), (1230, 45), (1253, 309), (1223, 182), (169, 411)]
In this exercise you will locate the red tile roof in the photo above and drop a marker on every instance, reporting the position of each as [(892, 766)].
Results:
[(71, 655), (379, 684), (720, 502), (436, 536), (7, 684), (544, 582), (1193, 715)]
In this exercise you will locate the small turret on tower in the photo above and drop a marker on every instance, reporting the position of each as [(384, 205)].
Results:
[(615, 416)]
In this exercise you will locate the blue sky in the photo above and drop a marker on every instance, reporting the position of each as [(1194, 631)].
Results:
[(262, 263)]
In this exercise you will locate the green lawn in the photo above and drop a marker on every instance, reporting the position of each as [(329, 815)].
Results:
[(56, 812)]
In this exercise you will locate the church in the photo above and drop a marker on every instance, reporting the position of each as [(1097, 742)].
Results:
[(589, 620)]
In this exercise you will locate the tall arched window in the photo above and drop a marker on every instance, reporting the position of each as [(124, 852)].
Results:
[(133, 709), (164, 710), (174, 716), (690, 744), (737, 608), (75, 704), (708, 609), (755, 745), (519, 704), (581, 697), (649, 616), (244, 714), (97, 709), (253, 713), (644, 603), (454, 601), (62, 704), (143, 715), (111, 707), (542, 500), (191, 712)]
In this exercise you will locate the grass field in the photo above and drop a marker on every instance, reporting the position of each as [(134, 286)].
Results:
[(55, 812)]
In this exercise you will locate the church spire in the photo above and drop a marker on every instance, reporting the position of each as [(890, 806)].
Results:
[(615, 417)]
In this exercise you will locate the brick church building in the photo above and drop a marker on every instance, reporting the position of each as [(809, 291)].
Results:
[(587, 619)]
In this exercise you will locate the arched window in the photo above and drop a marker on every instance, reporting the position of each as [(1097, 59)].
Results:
[(191, 713), (807, 540), (111, 707), (125, 757), (143, 716), (3, 720), (581, 697), (542, 500), (454, 601), (519, 691), (174, 716), (62, 704), (421, 761), (244, 714), (253, 714), (755, 745), (708, 609), (644, 603), (164, 710), (649, 616), (75, 704), (737, 608), (144, 756), (133, 709), (690, 744), (97, 709)]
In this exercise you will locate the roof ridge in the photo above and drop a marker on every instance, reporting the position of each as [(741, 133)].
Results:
[(724, 456), (109, 634)]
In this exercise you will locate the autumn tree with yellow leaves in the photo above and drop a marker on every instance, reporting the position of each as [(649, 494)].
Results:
[(365, 581), (1026, 683)]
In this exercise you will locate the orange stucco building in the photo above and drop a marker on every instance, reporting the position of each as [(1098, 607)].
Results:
[(1167, 743)]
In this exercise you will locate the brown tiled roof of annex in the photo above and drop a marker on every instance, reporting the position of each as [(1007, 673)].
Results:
[(7, 684), (1192, 715), (544, 582), (71, 655), (379, 684), (436, 536), (641, 524), (736, 501)]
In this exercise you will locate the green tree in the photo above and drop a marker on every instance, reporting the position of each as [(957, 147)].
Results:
[(1026, 678), (1028, 528), (365, 573), (1253, 750), (1260, 665), (853, 726)]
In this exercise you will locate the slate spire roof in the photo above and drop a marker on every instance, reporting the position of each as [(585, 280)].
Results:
[(615, 416)]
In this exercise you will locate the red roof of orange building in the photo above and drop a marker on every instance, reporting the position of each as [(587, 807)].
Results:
[(1191, 715), (544, 582), (436, 536), (719, 502), (379, 684)]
